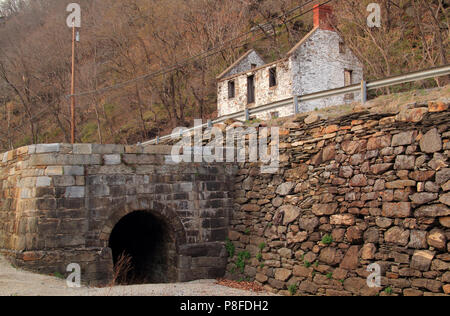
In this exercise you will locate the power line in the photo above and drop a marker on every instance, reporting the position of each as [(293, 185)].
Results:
[(45, 111), (178, 65), (286, 14), (37, 116), (197, 57), (310, 10)]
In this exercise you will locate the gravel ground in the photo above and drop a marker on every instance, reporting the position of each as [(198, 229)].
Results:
[(16, 282)]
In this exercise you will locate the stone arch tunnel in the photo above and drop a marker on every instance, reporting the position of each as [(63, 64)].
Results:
[(150, 246), (89, 204)]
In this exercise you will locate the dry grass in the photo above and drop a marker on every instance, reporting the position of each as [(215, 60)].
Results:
[(122, 270), (247, 286), (391, 103)]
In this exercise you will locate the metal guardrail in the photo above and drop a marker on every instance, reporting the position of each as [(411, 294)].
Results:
[(363, 88)]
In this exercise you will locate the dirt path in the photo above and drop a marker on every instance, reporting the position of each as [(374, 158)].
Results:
[(15, 282)]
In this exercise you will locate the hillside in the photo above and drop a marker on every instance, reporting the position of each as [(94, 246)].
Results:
[(392, 104), (152, 40)]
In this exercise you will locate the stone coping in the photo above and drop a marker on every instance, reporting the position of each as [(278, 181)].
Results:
[(84, 149)]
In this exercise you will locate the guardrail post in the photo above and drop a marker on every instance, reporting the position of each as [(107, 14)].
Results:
[(157, 140), (247, 115), (296, 109), (364, 87), (363, 92), (210, 124)]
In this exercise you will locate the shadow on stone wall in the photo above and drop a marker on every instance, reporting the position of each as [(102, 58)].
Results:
[(352, 191)]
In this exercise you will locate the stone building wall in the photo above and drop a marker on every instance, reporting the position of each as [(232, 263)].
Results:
[(360, 189), (318, 65), (263, 93), (245, 64), (59, 204)]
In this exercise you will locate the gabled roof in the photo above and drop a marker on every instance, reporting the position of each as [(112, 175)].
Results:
[(288, 55), (252, 70), (304, 39), (237, 62)]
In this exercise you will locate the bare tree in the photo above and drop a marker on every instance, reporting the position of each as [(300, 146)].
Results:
[(175, 49)]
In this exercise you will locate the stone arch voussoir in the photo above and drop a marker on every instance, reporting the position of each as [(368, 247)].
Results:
[(158, 209)]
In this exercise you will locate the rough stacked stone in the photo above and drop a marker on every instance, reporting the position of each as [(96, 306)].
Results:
[(359, 189)]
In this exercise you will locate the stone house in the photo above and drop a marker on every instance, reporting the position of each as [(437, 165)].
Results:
[(320, 61)]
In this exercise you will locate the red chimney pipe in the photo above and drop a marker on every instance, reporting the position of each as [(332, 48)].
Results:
[(323, 15)]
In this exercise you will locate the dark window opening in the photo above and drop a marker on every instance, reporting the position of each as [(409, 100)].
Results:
[(143, 250), (341, 48), (272, 77), (275, 115), (231, 90), (348, 77), (254, 66), (251, 89)]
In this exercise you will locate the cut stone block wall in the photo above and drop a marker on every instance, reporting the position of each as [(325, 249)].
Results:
[(360, 189), (59, 204), (351, 191)]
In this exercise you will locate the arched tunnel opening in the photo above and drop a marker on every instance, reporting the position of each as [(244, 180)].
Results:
[(144, 250)]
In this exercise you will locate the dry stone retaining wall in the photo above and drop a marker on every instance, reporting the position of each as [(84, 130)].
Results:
[(361, 189)]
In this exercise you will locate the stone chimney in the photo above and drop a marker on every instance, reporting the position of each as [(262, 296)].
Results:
[(323, 15)]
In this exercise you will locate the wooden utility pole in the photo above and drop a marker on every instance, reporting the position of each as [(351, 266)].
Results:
[(73, 21), (72, 91), (7, 115), (8, 109)]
